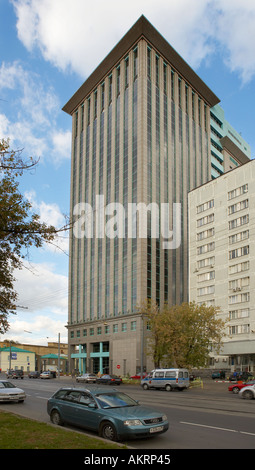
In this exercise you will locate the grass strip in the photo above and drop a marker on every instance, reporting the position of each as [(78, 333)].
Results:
[(17, 432)]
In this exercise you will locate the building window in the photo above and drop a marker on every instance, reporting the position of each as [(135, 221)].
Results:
[(241, 313), (238, 298), (243, 251), (110, 89), (123, 327), (240, 267), (205, 206), (239, 206), (71, 334), (172, 85), (205, 290), (238, 191), (85, 332), (157, 71), (186, 98), (205, 220), (95, 105), (206, 276), (78, 333), (118, 80), (239, 237), (107, 330), (133, 325), (102, 97), (135, 55), (91, 331), (203, 263), (115, 328), (237, 284), (208, 303), (165, 78), (205, 248), (126, 72), (238, 222), (239, 329), (205, 234)]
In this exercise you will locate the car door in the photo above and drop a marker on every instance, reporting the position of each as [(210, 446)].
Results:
[(69, 407), (88, 414), (158, 379)]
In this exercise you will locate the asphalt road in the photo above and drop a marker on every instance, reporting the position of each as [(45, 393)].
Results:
[(200, 418)]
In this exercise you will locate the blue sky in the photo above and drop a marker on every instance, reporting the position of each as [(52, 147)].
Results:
[(47, 50)]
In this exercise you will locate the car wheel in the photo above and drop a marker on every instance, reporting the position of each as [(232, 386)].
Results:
[(145, 386), (248, 395), (235, 390), (168, 388), (56, 418), (108, 431)]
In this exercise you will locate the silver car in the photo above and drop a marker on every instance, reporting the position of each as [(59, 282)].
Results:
[(248, 392), (9, 392), (87, 378)]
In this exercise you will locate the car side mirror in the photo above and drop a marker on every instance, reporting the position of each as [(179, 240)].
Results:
[(92, 405)]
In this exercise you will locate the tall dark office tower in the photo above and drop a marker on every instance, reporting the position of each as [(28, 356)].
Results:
[(141, 134)]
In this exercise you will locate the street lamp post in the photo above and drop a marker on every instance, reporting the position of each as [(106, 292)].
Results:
[(142, 345), (10, 357)]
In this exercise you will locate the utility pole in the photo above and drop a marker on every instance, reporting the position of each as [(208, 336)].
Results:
[(58, 355)]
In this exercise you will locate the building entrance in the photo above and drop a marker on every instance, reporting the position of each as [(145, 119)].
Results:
[(100, 357)]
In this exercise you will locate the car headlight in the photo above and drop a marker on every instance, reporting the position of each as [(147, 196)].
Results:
[(164, 417), (132, 422)]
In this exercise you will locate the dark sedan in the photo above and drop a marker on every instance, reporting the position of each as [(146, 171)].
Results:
[(109, 380), (34, 374)]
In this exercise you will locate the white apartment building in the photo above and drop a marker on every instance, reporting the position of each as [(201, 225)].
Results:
[(222, 260)]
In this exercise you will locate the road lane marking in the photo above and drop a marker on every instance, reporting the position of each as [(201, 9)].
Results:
[(210, 427)]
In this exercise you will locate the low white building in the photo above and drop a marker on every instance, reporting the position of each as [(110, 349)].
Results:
[(20, 359), (222, 260)]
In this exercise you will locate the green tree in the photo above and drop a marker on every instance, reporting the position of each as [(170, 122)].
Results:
[(20, 227), (181, 335)]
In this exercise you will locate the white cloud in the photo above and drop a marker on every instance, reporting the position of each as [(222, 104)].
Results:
[(61, 144), (33, 109), (40, 329), (51, 214), (236, 33), (69, 34), (39, 287), (43, 304)]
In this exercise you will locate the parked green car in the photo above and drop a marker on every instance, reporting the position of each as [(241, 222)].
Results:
[(220, 374), (114, 415)]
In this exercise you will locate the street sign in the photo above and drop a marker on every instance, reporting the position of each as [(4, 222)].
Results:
[(118, 366)]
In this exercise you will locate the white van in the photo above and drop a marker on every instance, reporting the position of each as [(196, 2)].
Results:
[(167, 379)]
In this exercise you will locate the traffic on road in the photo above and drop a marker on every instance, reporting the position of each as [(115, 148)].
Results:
[(198, 418)]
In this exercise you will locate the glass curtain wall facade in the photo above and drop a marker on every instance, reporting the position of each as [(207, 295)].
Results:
[(139, 136), (103, 271)]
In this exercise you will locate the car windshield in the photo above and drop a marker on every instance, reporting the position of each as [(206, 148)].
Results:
[(6, 385), (115, 400)]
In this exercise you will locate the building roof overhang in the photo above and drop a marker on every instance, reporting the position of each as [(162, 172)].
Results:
[(141, 29), (234, 150)]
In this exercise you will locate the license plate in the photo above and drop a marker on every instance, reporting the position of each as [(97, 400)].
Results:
[(156, 429)]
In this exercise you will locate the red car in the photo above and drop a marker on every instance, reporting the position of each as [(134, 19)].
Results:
[(235, 388), (138, 376)]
